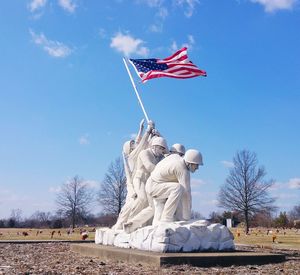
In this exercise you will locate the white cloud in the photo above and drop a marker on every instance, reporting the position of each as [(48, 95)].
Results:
[(273, 5), (53, 48), (162, 12), (227, 164), (189, 5), (157, 27), (174, 46), (191, 39), (37, 16), (93, 184), (189, 44), (204, 201), (67, 5), (213, 202), (152, 3), (143, 51), (197, 182), (127, 45), (84, 139), (294, 183), (282, 195), (163, 7), (54, 189), (35, 5), (276, 186), (160, 15)]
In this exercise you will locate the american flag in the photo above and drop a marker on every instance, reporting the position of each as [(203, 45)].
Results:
[(176, 66)]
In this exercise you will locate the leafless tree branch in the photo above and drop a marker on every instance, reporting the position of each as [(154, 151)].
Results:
[(245, 189), (113, 188), (74, 200)]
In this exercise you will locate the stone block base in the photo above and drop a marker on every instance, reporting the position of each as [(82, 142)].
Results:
[(191, 236)]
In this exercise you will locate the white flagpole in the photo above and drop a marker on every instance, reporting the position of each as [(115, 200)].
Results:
[(136, 92)]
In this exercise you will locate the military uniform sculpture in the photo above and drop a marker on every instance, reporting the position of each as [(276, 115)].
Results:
[(157, 195), (159, 198)]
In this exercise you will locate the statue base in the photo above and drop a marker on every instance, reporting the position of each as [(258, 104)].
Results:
[(182, 236), (157, 260)]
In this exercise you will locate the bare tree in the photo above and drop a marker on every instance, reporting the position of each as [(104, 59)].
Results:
[(215, 217), (262, 218), (245, 189), (16, 215), (294, 214), (41, 219), (196, 215), (74, 200), (15, 218), (113, 188)]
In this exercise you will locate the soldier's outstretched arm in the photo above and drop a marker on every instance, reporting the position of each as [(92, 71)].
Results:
[(139, 135)]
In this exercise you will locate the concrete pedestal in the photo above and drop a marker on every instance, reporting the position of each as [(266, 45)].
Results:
[(203, 259)]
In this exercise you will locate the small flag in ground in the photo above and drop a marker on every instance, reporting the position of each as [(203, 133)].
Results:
[(176, 66)]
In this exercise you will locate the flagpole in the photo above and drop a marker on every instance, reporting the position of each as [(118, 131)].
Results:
[(135, 89)]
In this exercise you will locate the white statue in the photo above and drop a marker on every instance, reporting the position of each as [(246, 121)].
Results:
[(177, 149), (171, 181), (146, 162), (169, 197), (131, 151), (159, 191), (168, 191)]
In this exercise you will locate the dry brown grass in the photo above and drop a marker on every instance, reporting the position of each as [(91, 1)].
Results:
[(279, 238), (288, 238), (43, 234)]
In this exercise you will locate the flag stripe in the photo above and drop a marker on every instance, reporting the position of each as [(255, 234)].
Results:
[(177, 59), (176, 55), (183, 74), (151, 76), (183, 68), (176, 66)]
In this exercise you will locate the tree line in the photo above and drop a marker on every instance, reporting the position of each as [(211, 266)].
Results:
[(244, 197), (41, 219)]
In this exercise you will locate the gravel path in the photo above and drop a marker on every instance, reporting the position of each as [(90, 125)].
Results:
[(57, 258)]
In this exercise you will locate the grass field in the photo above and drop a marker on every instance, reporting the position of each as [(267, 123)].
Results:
[(280, 238), (44, 234), (289, 238)]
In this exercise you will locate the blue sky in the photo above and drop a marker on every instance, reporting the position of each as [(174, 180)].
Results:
[(67, 104)]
